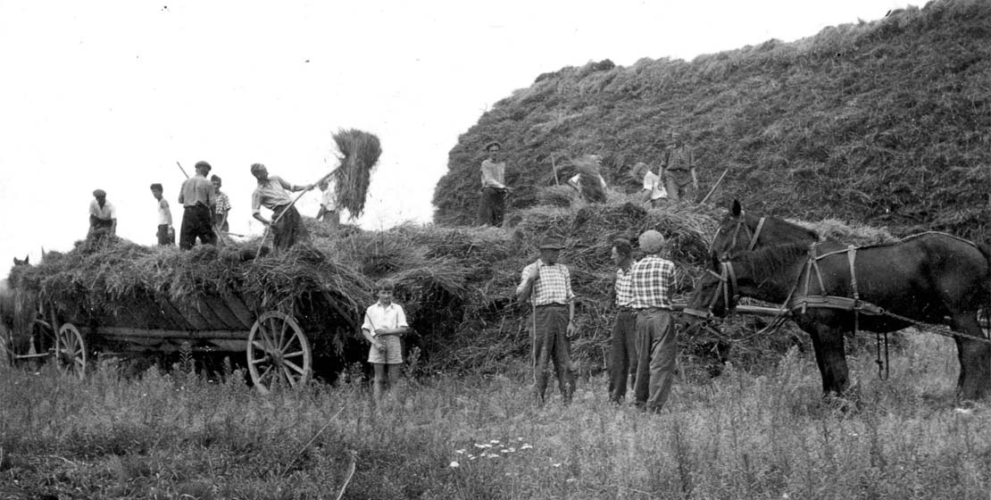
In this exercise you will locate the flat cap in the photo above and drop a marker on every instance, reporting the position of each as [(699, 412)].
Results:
[(99, 193), (551, 242), (651, 241)]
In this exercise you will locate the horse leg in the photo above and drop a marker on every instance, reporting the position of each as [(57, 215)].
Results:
[(828, 343), (974, 357)]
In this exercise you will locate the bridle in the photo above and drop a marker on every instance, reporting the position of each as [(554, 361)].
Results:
[(726, 277), (726, 272)]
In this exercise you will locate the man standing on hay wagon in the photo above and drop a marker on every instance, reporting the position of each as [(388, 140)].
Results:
[(328, 212), (223, 205), (197, 196), (273, 193), (102, 216), (492, 206), (622, 348), (657, 340), (547, 284), (165, 233), (679, 169)]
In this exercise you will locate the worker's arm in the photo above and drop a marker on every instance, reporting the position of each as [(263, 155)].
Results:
[(530, 275)]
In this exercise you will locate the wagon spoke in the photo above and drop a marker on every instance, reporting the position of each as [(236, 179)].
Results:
[(260, 360), (289, 377), (287, 345), (264, 373), (260, 346), (293, 354), (282, 334), (294, 366)]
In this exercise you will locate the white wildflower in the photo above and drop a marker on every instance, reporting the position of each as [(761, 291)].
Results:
[(460, 452), (526, 446), (454, 464)]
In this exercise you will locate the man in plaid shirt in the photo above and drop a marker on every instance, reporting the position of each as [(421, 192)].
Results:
[(547, 284), (657, 340), (623, 347)]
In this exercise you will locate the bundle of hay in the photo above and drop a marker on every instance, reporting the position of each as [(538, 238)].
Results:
[(555, 196), (361, 151)]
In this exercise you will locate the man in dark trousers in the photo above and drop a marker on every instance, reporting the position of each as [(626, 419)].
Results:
[(657, 340), (272, 193), (622, 347), (679, 174), (546, 283), (492, 206), (197, 196)]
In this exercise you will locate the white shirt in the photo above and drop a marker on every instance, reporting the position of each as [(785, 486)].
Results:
[(329, 198), (106, 213), (164, 214), (576, 182), (379, 316), (653, 183)]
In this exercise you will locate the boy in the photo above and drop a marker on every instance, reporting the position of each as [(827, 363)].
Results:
[(328, 203), (384, 323), (166, 234)]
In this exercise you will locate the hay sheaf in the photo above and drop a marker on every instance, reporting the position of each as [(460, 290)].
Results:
[(361, 151)]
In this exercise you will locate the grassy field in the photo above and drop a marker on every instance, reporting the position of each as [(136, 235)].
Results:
[(744, 435)]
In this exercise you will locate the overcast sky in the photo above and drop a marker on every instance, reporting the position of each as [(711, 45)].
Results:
[(112, 94)]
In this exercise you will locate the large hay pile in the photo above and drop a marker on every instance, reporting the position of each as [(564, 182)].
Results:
[(361, 151)]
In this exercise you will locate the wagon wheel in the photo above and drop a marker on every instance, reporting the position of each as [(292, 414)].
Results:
[(70, 351), (278, 352)]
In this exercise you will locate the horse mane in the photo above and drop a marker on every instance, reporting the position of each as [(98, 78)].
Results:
[(772, 260), (811, 233)]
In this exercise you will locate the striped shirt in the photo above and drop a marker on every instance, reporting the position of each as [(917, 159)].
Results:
[(223, 202), (653, 279), (552, 287), (624, 288), (271, 193)]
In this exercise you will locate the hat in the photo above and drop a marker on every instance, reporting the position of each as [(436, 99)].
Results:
[(99, 193), (203, 164), (550, 242), (651, 241), (493, 143)]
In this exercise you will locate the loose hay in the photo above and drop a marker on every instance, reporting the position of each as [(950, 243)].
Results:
[(361, 152)]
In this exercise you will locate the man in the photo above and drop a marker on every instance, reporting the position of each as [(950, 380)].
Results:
[(589, 183), (492, 206), (197, 196), (271, 193), (622, 350), (166, 234), (657, 341), (102, 216), (222, 206), (679, 169), (328, 203), (653, 185), (547, 284)]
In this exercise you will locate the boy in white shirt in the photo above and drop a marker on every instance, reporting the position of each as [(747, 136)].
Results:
[(385, 322)]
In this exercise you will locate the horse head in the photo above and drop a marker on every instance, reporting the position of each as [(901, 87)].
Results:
[(25, 262), (716, 295), (740, 231)]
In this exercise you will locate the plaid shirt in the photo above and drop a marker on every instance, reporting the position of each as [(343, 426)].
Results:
[(552, 287), (682, 158), (653, 278), (624, 288), (223, 203)]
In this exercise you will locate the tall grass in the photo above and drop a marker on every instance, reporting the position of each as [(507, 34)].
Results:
[(740, 436)]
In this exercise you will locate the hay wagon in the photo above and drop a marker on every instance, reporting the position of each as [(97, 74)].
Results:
[(277, 343)]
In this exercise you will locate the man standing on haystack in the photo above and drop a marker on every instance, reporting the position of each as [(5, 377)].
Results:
[(492, 206), (197, 196), (223, 206), (679, 169), (623, 346), (657, 340), (547, 284), (273, 193), (102, 216), (589, 183), (328, 203)]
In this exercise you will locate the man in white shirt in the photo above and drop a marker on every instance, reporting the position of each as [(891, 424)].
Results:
[(166, 234), (102, 216), (653, 185), (492, 206), (328, 203)]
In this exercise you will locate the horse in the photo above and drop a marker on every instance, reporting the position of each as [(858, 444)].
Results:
[(740, 231), (831, 289)]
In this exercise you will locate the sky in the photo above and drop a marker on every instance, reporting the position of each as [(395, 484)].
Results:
[(113, 94)]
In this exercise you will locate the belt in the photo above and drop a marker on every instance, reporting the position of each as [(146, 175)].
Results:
[(653, 309), (550, 305), (626, 308)]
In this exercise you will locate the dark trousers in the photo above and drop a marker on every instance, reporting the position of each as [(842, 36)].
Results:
[(622, 354), (657, 352), (197, 222), (163, 235), (98, 228), (217, 218), (492, 206), (679, 185), (290, 229), (551, 345)]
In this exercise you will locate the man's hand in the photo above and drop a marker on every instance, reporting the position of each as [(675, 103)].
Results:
[(378, 345), (572, 330)]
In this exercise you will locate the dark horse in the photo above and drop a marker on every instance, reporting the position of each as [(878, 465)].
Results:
[(740, 231), (925, 278)]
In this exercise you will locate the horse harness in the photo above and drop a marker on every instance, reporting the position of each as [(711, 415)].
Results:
[(807, 300)]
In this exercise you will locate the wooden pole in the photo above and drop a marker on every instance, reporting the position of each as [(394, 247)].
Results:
[(714, 186)]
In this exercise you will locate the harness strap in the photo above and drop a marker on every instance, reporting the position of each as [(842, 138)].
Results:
[(753, 237)]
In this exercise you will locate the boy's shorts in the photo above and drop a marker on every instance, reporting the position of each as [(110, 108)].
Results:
[(392, 354)]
